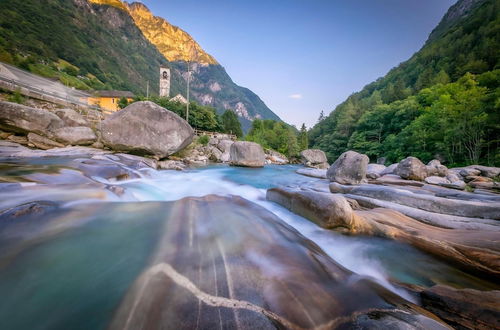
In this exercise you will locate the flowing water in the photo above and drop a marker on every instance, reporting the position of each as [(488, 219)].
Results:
[(57, 282)]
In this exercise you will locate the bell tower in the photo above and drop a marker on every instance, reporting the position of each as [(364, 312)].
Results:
[(164, 81)]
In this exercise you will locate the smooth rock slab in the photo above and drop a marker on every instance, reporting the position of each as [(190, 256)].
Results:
[(312, 172), (474, 250), (427, 202), (229, 263)]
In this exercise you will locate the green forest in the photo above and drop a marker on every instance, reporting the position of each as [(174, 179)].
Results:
[(442, 103)]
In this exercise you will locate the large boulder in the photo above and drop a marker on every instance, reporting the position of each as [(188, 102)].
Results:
[(411, 168), (314, 158), (349, 168), (247, 154), (79, 136), (71, 118), (146, 128), (22, 119)]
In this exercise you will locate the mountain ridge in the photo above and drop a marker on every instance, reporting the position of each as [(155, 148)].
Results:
[(460, 57)]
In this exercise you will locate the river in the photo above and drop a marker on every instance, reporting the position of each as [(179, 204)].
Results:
[(56, 282)]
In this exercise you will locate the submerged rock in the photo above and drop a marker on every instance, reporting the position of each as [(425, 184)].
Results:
[(349, 168), (248, 154), (145, 127)]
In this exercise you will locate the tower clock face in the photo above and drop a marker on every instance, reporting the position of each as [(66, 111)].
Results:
[(165, 75)]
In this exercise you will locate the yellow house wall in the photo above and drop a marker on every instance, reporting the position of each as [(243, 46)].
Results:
[(107, 103)]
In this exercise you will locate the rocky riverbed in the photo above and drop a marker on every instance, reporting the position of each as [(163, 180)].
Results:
[(94, 236)]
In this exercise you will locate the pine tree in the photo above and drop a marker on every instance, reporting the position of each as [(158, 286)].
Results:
[(321, 116), (303, 138)]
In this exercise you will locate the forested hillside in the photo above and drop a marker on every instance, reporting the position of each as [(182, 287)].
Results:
[(444, 102), (85, 46)]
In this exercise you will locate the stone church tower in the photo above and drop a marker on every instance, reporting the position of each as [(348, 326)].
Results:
[(164, 82)]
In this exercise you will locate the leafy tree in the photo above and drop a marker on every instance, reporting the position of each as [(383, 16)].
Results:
[(123, 103), (274, 135), (231, 124)]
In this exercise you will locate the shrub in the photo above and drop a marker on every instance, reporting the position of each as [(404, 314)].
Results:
[(16, 97), (203, 140)]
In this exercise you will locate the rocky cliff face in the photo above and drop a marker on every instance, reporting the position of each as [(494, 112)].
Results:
[(174, 43)]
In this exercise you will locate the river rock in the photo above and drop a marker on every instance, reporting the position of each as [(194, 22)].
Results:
[(42, 142), (19, 118), (374, 171), (421, 200), (435, 168), (314, 158), (389, 169), (436, 180), (71, 118), (147, 128), (411, 168), (349, 168), (171, 165), (486, 171), (274, 157), (465, 172), (248, 154), (463, 308), (23, 140), (79, 136), (475, 250), (225, 145), (312, 172), (326, 210)]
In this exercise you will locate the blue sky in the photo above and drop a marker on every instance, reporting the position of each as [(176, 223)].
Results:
[(305, 56)]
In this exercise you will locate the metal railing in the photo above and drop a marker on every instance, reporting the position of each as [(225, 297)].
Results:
[(198, 132)]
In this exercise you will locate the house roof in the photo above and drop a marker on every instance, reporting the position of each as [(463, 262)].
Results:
[(115, 94)]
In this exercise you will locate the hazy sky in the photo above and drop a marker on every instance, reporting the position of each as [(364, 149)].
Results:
[(304, 56)]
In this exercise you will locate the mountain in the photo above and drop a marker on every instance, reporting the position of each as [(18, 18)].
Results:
[(453, 77), (110, 44), (210, 85)]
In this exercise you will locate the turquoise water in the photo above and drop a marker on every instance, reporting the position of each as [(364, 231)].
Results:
[(77, 270)]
